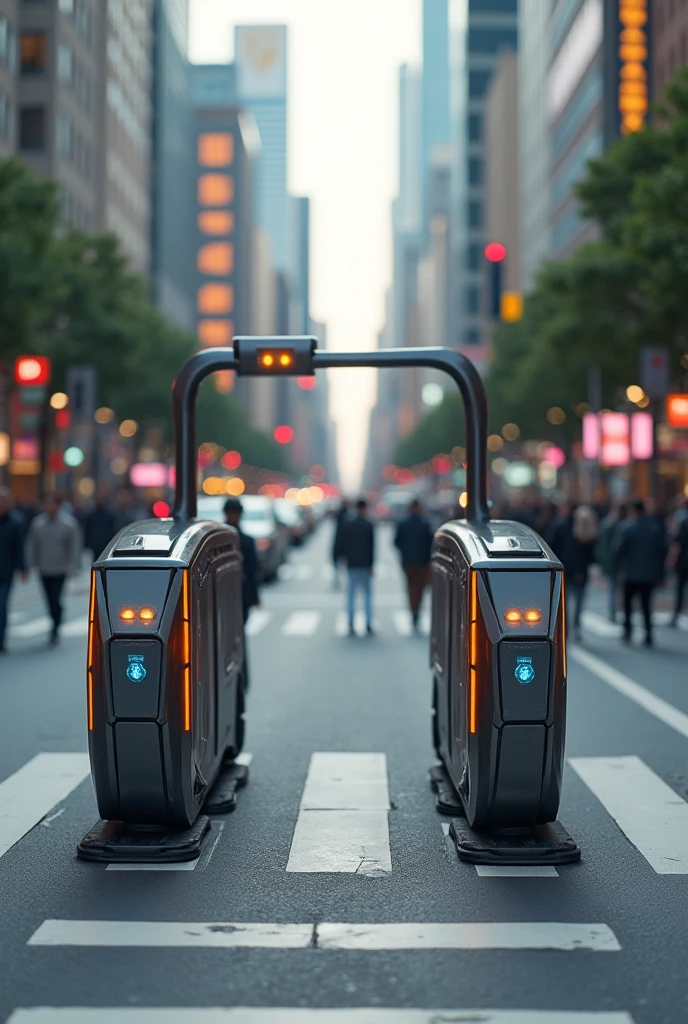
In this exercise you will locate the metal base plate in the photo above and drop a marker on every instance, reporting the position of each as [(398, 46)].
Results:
[(114, 841), (222, 797), (541, 844), (447, 800)]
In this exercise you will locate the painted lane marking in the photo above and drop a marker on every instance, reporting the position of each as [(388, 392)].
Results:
[(596, 938), (402, 622), (301, 624), (245, 758), (302, 1015), (341, 625), (649, 813), (76, 627), (187, 865), (160, 933), (342, 824), (257, 621), (34, 627), (654, 705), (33, 791)]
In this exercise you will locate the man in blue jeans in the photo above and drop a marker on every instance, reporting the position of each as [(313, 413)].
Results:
[(358, 551), (11, 555)]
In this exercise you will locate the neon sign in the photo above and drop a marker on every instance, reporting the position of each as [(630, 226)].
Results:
[(633, 65)]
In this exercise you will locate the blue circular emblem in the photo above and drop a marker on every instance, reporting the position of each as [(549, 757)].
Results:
[(524, 672), (136, 672)]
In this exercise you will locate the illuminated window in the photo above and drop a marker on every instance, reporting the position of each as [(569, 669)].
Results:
[(224, 381), (215, 298), (33, 51), (215, 149), (216, 222), (216, 258), (215, 189), (215, 332)]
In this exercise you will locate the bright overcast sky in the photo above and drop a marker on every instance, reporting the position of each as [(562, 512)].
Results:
[(343, 129)]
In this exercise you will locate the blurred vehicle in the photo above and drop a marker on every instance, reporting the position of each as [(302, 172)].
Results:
[(393, 505), (258, 521), (289, 516)]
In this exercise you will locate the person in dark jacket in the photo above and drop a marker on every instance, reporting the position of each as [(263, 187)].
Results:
[(337, 553), (99, 527), (358, 551), (574, 548), (639, 561), (11, 555), (249, 585), (605, 552), (414, 541), (678, 561)]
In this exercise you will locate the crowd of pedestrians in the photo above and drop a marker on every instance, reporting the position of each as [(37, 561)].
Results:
[(50, 541)]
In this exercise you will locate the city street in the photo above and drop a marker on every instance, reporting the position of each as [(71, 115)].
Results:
[(334, 887)]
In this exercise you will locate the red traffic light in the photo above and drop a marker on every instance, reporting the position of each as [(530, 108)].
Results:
[(495, 252), (283, 435), (231, 460), (32, 370), (306, 383)]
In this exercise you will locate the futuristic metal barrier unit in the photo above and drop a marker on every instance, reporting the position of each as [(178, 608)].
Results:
[(166, 648)]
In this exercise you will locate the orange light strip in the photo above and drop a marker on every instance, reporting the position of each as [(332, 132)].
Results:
[(473, 655), (186, 611), (89, 666)]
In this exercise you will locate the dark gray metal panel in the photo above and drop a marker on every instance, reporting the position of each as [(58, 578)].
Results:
[(519, 774), (139, 769)]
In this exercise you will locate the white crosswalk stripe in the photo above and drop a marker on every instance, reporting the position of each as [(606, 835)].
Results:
[(567, 937), (342, 824), (651, 814), (301, 623), (303, 1015), (404, 626), (32, 792), (257, 621)]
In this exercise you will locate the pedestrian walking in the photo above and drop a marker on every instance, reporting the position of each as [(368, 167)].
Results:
[(337, 544), (605, 553), (678, 561), (53, 548), (99, 527), (11, 555), (639, 561), (414, 541), (358, 551), (573, 542)]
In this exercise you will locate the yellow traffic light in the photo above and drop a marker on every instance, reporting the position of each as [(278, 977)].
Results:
[(511, 307)]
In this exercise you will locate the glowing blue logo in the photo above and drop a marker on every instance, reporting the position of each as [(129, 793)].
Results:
[(136, 670), (524, 671)]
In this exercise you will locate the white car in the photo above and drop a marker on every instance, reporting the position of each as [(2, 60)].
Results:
[(257, 521)]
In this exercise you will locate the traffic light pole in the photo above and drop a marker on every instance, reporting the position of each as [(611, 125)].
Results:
[(245, 359)]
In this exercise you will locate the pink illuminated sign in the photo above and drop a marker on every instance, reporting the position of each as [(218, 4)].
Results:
[(615, 438)]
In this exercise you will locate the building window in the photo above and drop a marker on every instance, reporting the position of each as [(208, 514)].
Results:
[(475, 171), (472, 300), (64, 136), (216, 222), (475, 214), (32, 129), (67, 6), (215, 332), (215, 299), (5, 114), (65, 65), (83, 18), (475, 132), (215, 189), (477, 83), (216, 258), (33, 51), (215, 149), (4, 40), (473, 257)]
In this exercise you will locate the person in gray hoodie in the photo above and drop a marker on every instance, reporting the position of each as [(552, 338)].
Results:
[(53, 548)]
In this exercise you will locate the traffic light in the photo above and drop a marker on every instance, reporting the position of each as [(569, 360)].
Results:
[(495, 254), (511, 307), (32, 371)]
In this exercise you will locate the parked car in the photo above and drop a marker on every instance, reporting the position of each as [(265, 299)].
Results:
[(258, 521), (289, 515)]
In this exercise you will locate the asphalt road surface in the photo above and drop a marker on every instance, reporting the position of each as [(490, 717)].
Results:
[(332, 893)]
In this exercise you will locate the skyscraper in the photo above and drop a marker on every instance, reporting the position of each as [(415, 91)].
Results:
[(533, 139), (477, 45), (173, 172), (435, 89), (261, 88)]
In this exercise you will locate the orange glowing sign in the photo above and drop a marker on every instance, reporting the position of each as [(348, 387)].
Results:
[(215, 189), (677, 410), (216, 222), (215, 149), (633, 71), (216, 258), (215, 332), (215, 298)]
